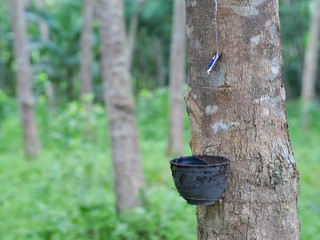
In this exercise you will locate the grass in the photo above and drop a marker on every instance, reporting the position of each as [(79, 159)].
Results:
[(67, 192), (307, 156)]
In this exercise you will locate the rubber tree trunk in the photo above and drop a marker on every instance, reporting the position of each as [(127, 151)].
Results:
[(24, 82), (238, 112), (127, 169), (50, 94), (133, 31), (160, 68), (44, 35), (85, 67), (177, 78), (310, 63), (43, 27)]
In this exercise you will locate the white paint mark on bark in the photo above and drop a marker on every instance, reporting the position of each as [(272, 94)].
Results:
[(189, 29), (272, 31), (275, 146), (266, 111), (198, 44), (255, 40), (283, 94), (291, 159), (285, 151), (267, 100), (211, 109), (288, 155), (274, 65), (220, 126), (280, 114), (256, 2), (246, 11), (194, 3)]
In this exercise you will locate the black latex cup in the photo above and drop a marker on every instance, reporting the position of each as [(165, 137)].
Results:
[(200, 180)]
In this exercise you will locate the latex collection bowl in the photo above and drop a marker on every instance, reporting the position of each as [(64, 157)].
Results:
[(200, 180)]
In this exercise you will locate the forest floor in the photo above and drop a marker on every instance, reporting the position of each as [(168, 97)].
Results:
[(66, 193)]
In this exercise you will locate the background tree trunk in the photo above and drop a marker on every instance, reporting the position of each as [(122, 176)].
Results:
[(43, 27), (50, 94), (160, 68), (310, 63), (238, 112), (127, 169), (177, 78), (24, 82), (85, 68), (44, 35), (133, 31)]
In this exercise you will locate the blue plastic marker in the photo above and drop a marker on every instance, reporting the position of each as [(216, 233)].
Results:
[(213, 62)]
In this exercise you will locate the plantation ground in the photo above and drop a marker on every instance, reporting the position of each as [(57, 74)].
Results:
[(67, 192)]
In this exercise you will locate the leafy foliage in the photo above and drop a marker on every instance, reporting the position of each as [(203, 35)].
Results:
[(67, 193), (59, 58), (306, 149), (294, 19)]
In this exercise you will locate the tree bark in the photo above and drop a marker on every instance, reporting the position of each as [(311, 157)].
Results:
[(43, 27), (50, 94), (24, 81), (127, 169), (177, 78), (238, 112), (311, 57), (310, 64), (133, 31), (158, 53), (85, 68), (44, 35)]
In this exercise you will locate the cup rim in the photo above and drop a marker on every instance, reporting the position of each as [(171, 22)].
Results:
[(225, 160)]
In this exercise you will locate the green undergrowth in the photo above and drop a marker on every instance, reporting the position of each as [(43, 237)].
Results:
[(306, 147), (66, 193)]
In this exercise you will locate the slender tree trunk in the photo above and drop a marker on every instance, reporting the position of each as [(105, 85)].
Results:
[(50, 94), (310, 64), (158, 54), (127, 169), (177, 78), (24, 82), (133, 31), (43, 27), (69, 85), (44, 35), (238, 112), (85, 68), (311, 55)]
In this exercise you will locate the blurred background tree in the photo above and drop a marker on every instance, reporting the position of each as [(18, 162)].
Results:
[(125, 154), (85, 67), (177, 80), (310, 63), (24, 78)]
